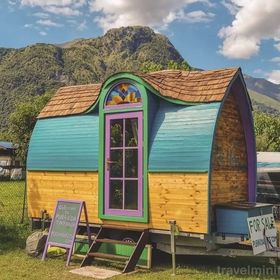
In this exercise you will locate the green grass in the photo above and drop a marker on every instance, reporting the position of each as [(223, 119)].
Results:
[(11, 202), (15, 264)]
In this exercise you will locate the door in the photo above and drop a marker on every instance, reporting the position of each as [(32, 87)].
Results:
[(123, 192)]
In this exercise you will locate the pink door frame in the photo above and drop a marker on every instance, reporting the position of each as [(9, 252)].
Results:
[(124, 212)]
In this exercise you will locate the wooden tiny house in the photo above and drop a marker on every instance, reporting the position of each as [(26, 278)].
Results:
[(145, 149)]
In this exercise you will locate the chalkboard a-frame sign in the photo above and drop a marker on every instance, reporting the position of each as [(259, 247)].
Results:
[(64, 225)]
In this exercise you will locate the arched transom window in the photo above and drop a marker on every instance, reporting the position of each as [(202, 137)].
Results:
[(123, 93)]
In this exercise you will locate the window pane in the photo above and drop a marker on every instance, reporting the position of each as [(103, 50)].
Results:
[(116, 163), (116, 194), (131, 195), (131, 132), (116, 129), (131, 163)]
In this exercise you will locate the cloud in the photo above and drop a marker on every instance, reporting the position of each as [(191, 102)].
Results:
[(12, 2), (62, 3), (65, 11), (82, 26), (43, 33), (157, 14), (274, 76), (276, 59), (28, 25), (254, 21), (277, 45), (41, 15), (198, 16), (58, 7), (48, 22), (230, 6)]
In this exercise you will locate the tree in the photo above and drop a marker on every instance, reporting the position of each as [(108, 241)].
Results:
[(149, 66), (22, 121), (178, 65), (267, 131)]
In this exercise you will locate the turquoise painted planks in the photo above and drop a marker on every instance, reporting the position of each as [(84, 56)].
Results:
[(65, 144), (182, 137)]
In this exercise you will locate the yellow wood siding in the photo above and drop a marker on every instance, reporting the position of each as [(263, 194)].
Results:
[(44, 188), (229, 180), (179, 196)]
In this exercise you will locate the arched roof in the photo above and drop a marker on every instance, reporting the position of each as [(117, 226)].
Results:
[(187, 86), (185, 146)]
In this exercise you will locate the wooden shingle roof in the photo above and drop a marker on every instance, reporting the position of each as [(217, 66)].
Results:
[(192, 86), (71, 100), (188, 86)]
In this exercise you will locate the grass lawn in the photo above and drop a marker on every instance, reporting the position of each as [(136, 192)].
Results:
[(11, 201), (15, 264)]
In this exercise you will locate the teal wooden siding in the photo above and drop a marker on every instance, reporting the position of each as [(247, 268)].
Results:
[(182, 137), (65, 143)]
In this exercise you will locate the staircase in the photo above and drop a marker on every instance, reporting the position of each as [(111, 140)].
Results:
[(103, 236)]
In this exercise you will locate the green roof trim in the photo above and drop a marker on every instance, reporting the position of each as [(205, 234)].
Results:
[(109, 83)]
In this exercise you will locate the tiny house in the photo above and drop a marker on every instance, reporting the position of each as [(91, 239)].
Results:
[(142, 150)]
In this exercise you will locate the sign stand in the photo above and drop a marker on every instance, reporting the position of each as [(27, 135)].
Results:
[(64, 226), (263, 233)]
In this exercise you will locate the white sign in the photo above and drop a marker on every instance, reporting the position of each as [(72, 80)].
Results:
[(263, 233)]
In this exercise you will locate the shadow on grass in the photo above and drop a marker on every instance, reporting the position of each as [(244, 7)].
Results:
[(239, 267), (13, 236)]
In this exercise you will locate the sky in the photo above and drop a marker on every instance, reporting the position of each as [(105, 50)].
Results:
[(209, 34)]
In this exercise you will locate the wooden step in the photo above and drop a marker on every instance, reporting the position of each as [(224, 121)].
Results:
[(130, 261), (108, 256), (113, 241)]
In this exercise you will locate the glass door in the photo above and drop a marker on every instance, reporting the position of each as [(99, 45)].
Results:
[(123, 164)]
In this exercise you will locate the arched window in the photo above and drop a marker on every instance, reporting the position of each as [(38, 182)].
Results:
[(122, 94), (123, 151)]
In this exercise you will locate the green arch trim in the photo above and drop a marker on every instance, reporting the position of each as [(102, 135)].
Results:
[(107, 85), (133, 77)]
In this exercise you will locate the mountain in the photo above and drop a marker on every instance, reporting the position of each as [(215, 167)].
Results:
[(265, 95), (35, 69), (263, 86), (40, 68)]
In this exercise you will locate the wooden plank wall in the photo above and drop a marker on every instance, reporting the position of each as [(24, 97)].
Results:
[(179, 196), (229, 180), (44, 188)]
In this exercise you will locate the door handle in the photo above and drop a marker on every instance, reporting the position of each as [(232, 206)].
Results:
[(108, 162)]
